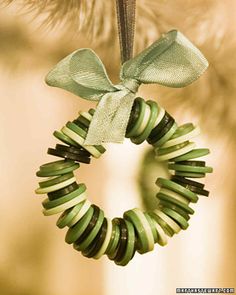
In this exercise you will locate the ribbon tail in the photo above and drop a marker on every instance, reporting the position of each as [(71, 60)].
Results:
[(111, 118)]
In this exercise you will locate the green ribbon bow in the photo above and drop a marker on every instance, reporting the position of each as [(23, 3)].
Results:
[(171, 61)]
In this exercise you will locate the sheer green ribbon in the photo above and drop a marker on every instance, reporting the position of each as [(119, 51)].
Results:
[(171, 61)]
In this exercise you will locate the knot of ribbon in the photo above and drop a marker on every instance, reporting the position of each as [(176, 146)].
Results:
[(171, 61)]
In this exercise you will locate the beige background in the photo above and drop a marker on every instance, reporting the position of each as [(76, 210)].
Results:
[(34, 259)]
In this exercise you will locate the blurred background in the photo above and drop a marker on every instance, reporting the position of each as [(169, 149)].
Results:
[(34, 259)]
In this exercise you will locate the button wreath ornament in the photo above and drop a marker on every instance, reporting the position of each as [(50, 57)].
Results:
[(171, 61)]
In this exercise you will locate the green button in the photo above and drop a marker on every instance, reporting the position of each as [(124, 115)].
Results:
[(186, 168), (55, 180), (80, 213), (182, 130), (115, 236), (138, 122), (47, 204), (176, 202), (152, 226), (164, 204), (95, 247), (56, 165), (191, 155), (152, 118), (104, 246), (170, 156), (65, 206), (177, 217), (83, 133), (182, 138), (129, 251), (77, 230), (68, 215), (162, 238), (64, 138), (171, 149), (161, 182), (133, 116), (143, 230), (55, 187), (55, 172), (92, 235), (165, 226), (166, 136), (80, 140), (190, 174)]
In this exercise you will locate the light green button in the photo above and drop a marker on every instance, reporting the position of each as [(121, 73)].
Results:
[(68, 215), (77, 230), (65, 206), (55, 180), (143, 229), (47, 204), (161, 182), (177, 217)]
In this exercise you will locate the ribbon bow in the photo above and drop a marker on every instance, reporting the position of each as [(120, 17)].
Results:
[(171, 61)]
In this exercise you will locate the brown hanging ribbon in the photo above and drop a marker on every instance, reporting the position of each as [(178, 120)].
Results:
[(125, 10)]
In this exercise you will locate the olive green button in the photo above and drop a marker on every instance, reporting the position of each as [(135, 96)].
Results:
[(57, 168)]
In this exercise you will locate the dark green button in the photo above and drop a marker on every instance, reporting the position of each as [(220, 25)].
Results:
[(139, 121), (47, 204), (181, 179), (93, 248), (71, 156), (196, 189), (77, 230), (89, 228), (133, 115), (130, 247), (73, 150), (153, 115), (193, 163), (63, 191), (123, 240)]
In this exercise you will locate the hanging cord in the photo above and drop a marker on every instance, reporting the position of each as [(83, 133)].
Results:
[(125, 10)]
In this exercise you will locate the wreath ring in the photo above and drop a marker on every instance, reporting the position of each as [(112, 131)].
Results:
[(90, 231)]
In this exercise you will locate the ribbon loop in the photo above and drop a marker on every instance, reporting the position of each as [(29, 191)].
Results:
[(82, 73), (171, 61)]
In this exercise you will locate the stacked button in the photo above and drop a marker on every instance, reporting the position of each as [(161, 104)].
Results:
[(89, 230)]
